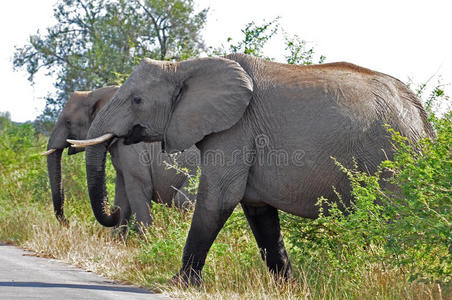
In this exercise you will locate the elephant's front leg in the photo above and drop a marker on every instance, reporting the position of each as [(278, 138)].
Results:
[(220, 190)]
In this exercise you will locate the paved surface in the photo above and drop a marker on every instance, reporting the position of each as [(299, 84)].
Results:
[(23, 276)]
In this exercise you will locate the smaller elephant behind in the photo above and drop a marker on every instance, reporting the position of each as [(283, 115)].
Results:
[(142, 172)]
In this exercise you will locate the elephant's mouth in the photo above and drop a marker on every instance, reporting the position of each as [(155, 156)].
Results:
[(60, 148), (72, 150), (138, 134)]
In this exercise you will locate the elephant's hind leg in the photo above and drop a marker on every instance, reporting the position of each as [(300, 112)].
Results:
[(264, 222)]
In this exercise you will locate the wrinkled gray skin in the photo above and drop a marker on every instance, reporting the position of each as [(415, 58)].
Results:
[(266, 132), (141, 174)]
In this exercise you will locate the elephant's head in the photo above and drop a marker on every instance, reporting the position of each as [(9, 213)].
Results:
[(176, 103), (73, 123)]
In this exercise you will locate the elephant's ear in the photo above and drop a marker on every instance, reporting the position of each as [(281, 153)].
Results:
[(100, 97), (214, 95)]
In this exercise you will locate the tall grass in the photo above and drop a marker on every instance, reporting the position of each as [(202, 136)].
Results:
[(329, 259)]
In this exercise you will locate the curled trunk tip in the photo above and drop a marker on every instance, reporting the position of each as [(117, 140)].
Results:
[(113, 219)]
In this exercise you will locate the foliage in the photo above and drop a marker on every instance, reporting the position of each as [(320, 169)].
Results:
[(15, 141), (176, 27), (437, 101), (424, 213), (255, 38), (298, 52), (93, 41)]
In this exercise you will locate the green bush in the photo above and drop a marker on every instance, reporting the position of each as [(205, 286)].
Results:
[(20, 162)]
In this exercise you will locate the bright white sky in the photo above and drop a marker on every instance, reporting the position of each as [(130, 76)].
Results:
[(403, 38)]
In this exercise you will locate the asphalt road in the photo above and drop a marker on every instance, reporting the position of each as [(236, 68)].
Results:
[(24, 276)]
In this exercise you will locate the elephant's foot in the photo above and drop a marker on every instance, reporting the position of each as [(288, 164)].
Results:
[(283, 275), (63, 221), (185, 279)]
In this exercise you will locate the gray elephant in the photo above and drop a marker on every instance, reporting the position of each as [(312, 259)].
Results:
[(266, 132), (141, 174)]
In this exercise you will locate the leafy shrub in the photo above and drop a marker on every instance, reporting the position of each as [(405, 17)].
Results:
[(20, 162)]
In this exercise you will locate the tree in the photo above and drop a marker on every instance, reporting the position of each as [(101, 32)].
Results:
[(175, 26), (256, 37), (95, 42)]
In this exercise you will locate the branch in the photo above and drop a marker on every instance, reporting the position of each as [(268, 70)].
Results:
[(163, 46), (157, 29)]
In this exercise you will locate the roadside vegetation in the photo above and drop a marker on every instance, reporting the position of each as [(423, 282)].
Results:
[(398, 249)]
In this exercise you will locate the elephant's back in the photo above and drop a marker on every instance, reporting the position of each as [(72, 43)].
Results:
[(364, 95)]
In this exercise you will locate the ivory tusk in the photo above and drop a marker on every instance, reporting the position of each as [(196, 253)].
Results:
[(78, 146), (84, 143), (48, 152)]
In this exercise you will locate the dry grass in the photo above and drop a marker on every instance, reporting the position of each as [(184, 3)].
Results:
[(85, 246)]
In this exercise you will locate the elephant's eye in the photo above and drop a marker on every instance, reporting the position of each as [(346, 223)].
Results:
[(137, 100), (68, 123)]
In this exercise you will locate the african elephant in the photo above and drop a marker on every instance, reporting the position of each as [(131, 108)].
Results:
[(266, 132), (141, 174)]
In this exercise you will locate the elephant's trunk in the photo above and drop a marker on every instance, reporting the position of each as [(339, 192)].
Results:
[(95, 174), (56, 184)]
